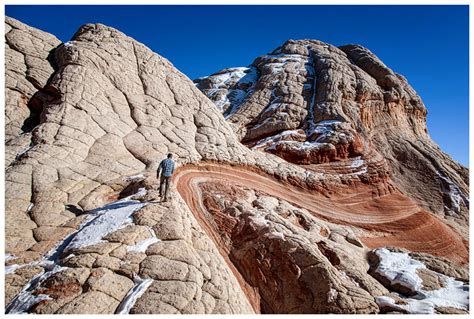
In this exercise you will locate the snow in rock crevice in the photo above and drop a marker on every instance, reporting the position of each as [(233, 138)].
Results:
[(455, 195), (24, 300), (310, 66), (399, 268), (231, 88), (141, 285), (268, 140), (357, 162), (23, 151), (142, 245), (98, 224), (402, 269), (109, 218), (324, 129)]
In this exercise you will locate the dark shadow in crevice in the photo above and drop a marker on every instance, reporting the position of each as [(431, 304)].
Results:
[(75, 210), (37, 101)]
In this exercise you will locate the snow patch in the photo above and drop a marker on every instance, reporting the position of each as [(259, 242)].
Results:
[(10, 257), (271, 121), (259, 221), (25, 301), (346, 277), (455, 194), (323, 129), (332, 295), (401, 268), (12, 268), (357, 162), (109, 218), (141, 285), (133, 178), (274, 68), (306, 146), (272, 107), (275, 235), (362, 171), (140, 193), (274, 138), (328, 122), (309, 145), (142, 245)]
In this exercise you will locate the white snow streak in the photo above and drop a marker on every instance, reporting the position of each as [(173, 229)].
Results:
[(142, 245), (109, 218), (141, 285), (401, 268), (99, 223), (357, 162)]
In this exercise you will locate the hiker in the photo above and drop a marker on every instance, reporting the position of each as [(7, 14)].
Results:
[(166, 168)]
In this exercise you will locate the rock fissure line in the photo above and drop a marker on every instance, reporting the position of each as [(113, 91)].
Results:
[(248, 247)]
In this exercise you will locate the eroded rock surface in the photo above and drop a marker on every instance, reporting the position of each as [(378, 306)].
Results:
[(311, 103), (415, 288), (262, 226), (28, 66), (245, 231), (113, 109)]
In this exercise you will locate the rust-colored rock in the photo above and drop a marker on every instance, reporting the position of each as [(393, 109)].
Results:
[(245, 231), (348, 104)]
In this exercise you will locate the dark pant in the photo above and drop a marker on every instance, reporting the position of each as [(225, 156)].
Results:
[(166, 181)]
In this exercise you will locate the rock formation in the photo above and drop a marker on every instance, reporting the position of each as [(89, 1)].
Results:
[(245, 231), (310, 102), (28, 66)]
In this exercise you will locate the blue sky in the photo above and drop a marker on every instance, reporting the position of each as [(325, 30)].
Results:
[(429, 45)]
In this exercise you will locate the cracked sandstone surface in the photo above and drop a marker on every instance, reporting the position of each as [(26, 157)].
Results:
[(245, 231)]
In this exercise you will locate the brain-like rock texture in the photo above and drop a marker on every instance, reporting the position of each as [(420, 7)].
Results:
[(310, 102), (245, 231), (28, 66)]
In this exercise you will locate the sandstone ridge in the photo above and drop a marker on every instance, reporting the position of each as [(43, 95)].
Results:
[(313, 103), (261, 220)]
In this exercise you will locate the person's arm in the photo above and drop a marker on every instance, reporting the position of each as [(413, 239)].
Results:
[(160, 167), (172, 168)]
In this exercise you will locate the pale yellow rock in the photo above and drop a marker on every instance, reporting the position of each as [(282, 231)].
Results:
[(92, 302), (114, 109), (104, 280)]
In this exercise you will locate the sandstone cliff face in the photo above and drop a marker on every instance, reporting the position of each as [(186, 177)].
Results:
[(244, 232), (310, 103), (28, 66), (94, 131)]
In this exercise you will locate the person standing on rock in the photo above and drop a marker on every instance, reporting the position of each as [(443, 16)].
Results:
[(166, 168)]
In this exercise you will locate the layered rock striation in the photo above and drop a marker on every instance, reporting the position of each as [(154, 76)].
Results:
[(245, 231), (313, 103)]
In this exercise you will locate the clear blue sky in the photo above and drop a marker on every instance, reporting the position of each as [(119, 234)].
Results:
[(429, 45)]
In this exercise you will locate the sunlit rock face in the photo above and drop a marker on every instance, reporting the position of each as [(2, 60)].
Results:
[(28, 66), (245, 231), (312, 103)]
